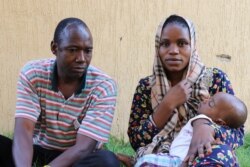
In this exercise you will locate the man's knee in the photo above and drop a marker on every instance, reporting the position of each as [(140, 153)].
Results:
[(109, 158), (101, 158), (6, 152), (5, 144)]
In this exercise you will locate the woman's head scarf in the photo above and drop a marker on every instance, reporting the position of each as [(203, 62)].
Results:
[(194, 73)]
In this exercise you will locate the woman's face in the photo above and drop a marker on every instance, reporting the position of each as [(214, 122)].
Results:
[(175, 48)]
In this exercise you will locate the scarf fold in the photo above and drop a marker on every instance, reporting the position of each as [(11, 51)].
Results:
[(159, 88)]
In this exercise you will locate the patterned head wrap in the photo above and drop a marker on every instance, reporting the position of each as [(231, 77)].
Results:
[(160, 86)]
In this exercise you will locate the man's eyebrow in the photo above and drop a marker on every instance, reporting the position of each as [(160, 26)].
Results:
[(76, 46), (180, 39), (70, 46)]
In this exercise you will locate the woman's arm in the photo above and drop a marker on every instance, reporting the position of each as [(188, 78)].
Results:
[(144, 124), (176, 96), (141, 129)]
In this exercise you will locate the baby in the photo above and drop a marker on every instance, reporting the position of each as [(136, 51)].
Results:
[(222, 108)]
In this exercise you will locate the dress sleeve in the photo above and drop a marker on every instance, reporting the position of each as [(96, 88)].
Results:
[(141, 128), (232, 137)]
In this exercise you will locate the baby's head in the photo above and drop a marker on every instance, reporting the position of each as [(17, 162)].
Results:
[(224, 108)]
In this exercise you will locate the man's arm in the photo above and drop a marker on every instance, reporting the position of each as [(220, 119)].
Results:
[(83, 147), (23, 143), (96, 124)]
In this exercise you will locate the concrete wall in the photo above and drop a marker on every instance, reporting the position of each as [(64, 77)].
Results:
[(123, 34)]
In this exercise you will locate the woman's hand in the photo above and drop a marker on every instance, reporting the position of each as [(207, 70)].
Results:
[(178, 94), (203, 138)]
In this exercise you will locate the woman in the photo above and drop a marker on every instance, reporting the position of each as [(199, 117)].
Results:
[(166, 100)]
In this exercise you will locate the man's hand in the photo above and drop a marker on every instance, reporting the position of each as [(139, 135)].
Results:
[(83, 147), (203, 137)]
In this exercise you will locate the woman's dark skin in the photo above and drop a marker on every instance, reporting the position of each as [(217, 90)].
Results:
[(175, 52)]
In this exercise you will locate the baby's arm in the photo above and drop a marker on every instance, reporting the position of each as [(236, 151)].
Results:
[(223, 133)]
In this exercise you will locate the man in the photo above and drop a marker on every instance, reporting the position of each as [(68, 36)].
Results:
[(64, 105)]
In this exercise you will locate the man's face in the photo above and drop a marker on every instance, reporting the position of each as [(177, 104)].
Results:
[(74, 51)]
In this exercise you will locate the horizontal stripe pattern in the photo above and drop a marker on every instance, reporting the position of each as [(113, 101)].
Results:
[(54, 116)]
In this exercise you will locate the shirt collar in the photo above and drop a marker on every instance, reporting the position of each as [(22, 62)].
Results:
[(54, 80)]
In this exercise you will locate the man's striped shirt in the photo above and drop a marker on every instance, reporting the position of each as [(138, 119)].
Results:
[(89, 111)]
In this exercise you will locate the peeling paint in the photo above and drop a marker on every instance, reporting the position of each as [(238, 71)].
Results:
[(224, 57)]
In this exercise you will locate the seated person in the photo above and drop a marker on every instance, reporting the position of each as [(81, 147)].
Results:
[(167, 99), (64, 108), (223, 109)]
